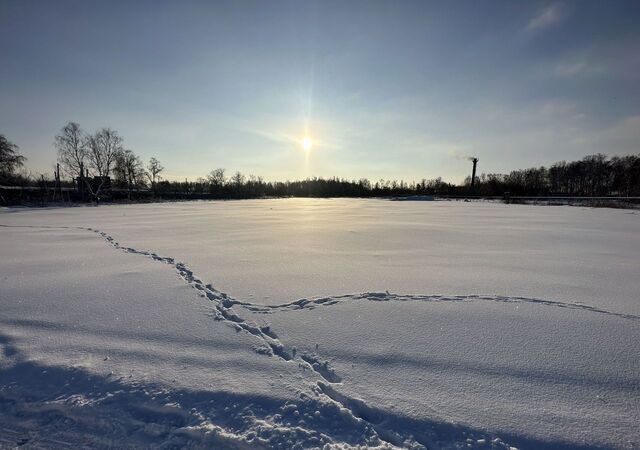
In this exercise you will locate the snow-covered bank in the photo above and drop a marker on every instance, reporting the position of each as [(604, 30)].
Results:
[(118, 327)]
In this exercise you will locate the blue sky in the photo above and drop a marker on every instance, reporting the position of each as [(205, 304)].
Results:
[(385, 89)]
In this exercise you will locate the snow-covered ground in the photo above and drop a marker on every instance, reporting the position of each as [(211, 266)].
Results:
[(302, 323)]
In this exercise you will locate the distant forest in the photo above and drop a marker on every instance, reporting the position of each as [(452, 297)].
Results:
[(593, 175), (96, 166)]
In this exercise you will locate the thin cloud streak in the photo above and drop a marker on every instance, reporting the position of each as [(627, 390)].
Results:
[(552, 14)]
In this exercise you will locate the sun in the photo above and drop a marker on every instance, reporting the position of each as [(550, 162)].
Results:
[(307, 143)]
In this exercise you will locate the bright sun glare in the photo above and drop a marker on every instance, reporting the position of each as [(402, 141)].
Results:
[(307, 143)]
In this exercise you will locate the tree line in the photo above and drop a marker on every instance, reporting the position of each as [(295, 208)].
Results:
[(217, 185), (98, 164), (90, 159), (592, 176)]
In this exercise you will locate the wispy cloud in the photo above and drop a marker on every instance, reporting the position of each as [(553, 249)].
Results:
[(550, 15), (576, 68)]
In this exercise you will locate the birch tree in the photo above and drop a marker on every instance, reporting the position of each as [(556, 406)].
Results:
[(73, 154)]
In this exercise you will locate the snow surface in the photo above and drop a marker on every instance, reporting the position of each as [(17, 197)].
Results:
[(309, 323)]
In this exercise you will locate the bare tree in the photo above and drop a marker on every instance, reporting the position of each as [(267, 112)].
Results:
[(129, 170), (154, 168), (237, 180), (71, 144), (216, 178), (104, 147), (10, 160)]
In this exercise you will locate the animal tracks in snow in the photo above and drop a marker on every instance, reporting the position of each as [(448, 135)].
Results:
[(311, 303), (270, 343), (228, 309), (389, 297)]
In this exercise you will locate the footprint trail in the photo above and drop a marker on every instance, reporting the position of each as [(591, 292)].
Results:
[(380, 424)]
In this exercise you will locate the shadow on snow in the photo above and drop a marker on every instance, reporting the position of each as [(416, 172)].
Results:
[(57, 407)]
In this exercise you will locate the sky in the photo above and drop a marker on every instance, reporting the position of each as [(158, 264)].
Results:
[(385, 89)]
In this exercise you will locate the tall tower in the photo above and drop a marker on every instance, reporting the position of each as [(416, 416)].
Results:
[(474, 160)]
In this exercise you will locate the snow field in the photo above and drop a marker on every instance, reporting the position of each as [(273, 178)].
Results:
[(117, 330)]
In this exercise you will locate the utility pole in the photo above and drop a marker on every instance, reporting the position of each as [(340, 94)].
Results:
[(57, 189), (80, 182), (43, 191)]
